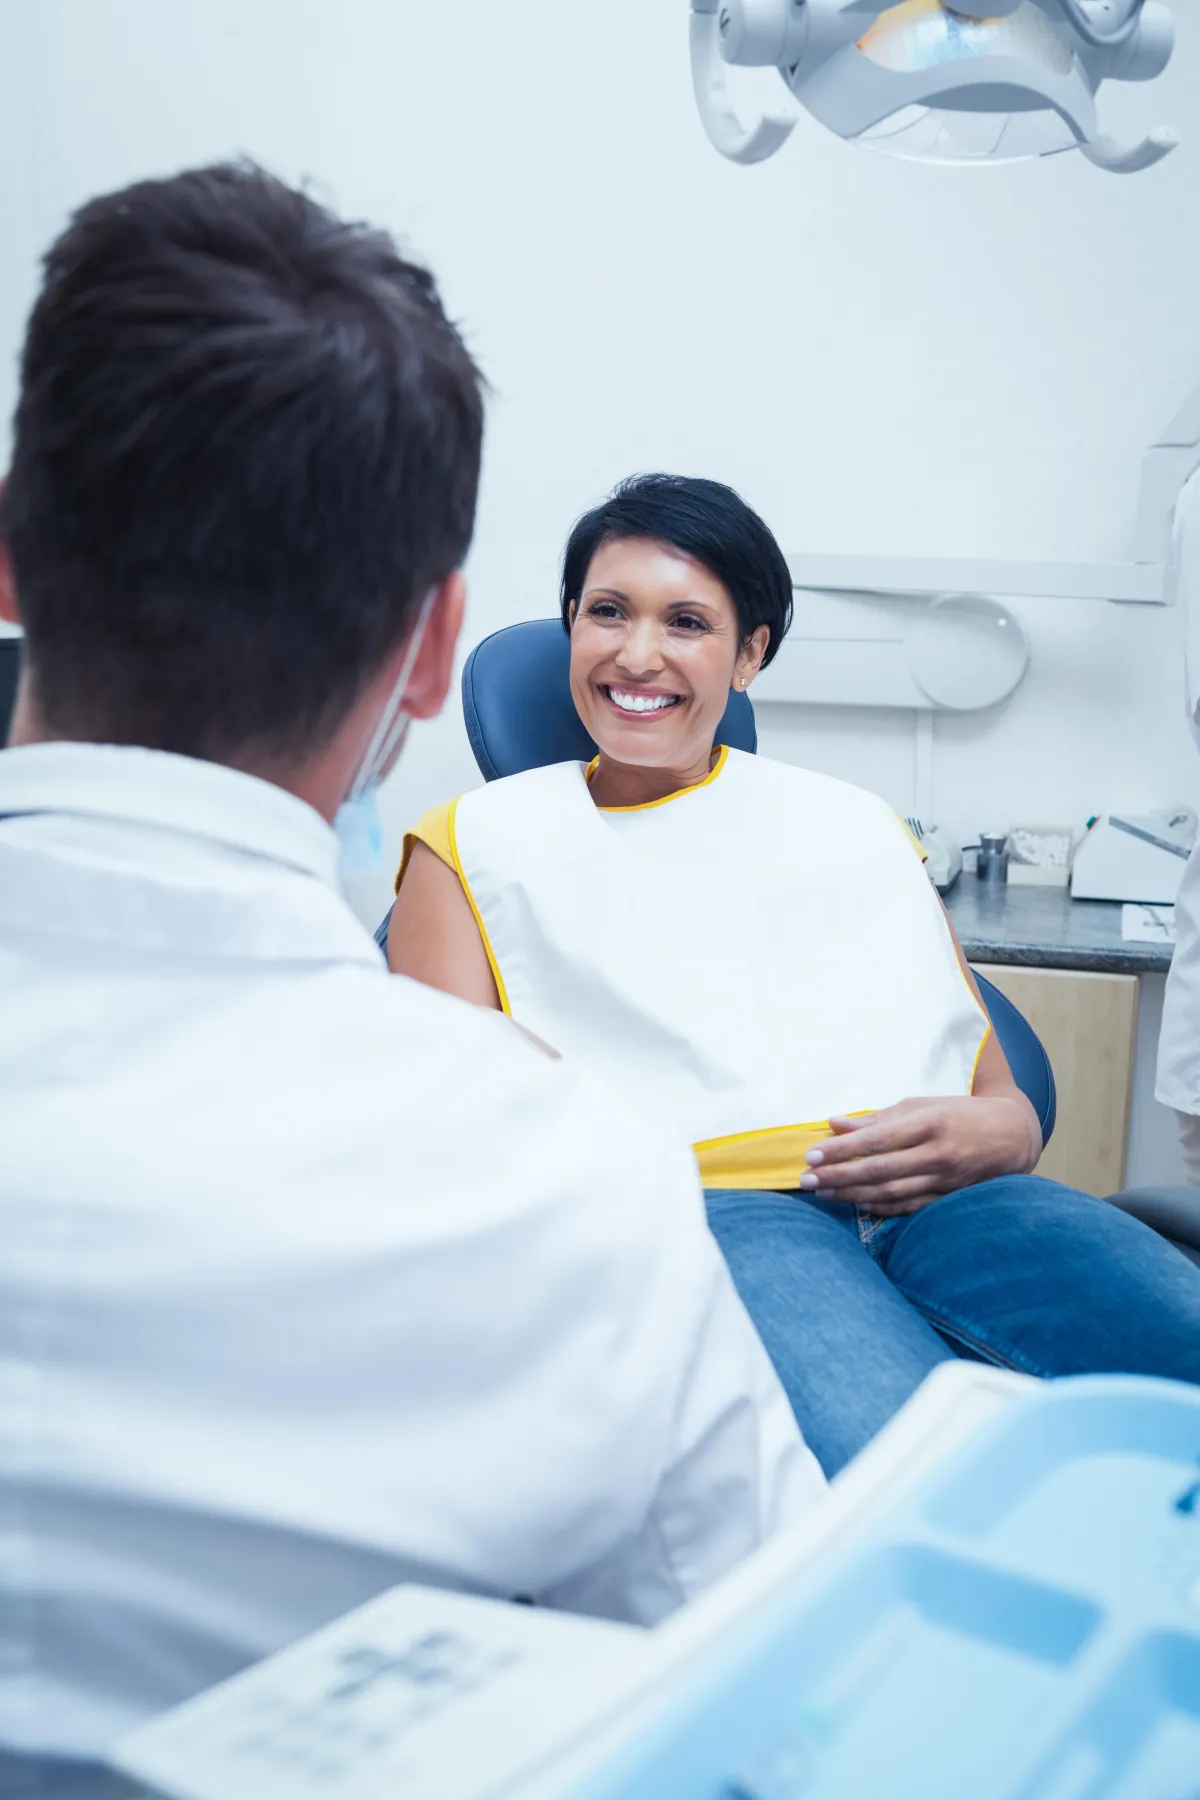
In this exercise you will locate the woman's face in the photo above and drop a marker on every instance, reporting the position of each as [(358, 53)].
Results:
[(655, 649)]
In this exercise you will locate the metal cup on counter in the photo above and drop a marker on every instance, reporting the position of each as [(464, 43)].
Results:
[(991, 856)]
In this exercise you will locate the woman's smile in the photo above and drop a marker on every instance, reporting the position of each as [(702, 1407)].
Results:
[(638, 701)]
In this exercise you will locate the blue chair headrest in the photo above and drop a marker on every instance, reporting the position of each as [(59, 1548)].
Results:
[(518, 708)]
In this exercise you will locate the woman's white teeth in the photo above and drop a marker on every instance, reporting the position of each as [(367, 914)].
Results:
[(641, 702)]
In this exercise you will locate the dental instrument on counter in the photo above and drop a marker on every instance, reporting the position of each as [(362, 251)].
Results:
[(1134, 856), (963, 82), (991, 857)]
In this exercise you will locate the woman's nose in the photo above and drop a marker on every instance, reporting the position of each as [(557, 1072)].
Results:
[(641, 651)]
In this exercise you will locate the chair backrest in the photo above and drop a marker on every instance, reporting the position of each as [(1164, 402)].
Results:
[(1026, 1055), (518, 708)]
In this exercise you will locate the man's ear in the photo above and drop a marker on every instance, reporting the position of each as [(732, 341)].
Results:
[(8, 592), (433, 670), (8, 587)]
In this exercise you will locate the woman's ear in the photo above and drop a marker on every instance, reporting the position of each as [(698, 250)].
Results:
[(749, 661), (572, 615)]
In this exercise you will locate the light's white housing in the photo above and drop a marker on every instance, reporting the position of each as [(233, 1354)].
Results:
[(973, 81)]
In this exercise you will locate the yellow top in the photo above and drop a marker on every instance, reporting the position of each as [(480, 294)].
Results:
[(434, 832)]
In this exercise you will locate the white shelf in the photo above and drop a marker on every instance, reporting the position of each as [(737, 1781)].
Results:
[(1136, 584)]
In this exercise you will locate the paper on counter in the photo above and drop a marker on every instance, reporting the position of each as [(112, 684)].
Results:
[(1147, 924)]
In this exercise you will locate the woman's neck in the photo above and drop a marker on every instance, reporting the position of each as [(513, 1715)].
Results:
[(627, 784)]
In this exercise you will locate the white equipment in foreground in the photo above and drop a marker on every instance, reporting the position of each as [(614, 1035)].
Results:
[(937, 80), (439, 1696), (999, 1599)]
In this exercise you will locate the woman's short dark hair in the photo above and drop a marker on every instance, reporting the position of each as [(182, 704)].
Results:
[(707, 521), (247, 444)]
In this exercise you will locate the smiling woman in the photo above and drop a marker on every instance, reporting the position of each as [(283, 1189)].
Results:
[(673, 592), (755, 952)]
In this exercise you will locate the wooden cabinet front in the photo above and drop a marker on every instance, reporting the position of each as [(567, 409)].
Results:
[(1088, 1024)]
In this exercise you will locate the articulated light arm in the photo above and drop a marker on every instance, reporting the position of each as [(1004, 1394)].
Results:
[(1084, 25), (1130, 159), (739, 143)]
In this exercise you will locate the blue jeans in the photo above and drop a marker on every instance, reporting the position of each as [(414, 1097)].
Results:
[(855, 1311)]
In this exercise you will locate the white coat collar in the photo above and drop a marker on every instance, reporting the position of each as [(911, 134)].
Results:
[(168, 856), (173, 793)]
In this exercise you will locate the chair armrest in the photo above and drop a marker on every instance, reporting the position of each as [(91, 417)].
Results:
[(1173, 1212), (381, 930)]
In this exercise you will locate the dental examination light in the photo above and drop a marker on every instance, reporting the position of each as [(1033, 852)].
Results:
[(958, 81)]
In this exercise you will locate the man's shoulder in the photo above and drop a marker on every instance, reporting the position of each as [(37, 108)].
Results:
[(475, 1093)]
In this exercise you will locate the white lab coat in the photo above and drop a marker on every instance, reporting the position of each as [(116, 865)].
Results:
[(1178, 1083), (313, 1280)]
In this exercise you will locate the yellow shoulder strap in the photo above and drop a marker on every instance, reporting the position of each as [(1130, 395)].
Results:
[(434, 832), (912, 838)]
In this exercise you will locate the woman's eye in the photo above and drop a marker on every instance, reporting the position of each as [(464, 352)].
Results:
[(690, 622), (604, 609)]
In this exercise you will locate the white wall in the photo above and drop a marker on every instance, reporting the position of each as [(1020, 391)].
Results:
[(883, 357)]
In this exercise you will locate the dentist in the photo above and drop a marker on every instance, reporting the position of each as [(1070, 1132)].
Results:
[(312, 1280)]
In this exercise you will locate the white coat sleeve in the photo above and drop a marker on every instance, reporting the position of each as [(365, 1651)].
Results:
[(1177, 1083), (1184, 589), (734, 1467)]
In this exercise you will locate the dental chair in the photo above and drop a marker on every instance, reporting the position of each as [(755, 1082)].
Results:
[(1174, 1212)]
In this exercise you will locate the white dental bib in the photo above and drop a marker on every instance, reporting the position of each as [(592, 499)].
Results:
[(749, 957)]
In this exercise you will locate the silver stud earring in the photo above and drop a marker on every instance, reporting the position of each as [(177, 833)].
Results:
[(743, 681)]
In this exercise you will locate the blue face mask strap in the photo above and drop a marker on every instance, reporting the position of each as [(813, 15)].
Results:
[(359, 830), (358, 824)]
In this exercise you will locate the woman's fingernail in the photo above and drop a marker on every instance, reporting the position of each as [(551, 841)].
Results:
[(814, 1157), (809, 1183)]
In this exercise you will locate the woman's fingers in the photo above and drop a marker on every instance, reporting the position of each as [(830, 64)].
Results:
[(840, 1125), (902, 1195), (940, 1144), (900, 1128), (871, 1172), (899, 1207)]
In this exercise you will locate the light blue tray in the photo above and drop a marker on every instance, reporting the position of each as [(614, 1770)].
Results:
[(1026, 1626)]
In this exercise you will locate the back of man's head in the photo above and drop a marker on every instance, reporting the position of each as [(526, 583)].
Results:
[(247, 444)]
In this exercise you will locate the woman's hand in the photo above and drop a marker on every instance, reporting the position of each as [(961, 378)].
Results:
[(898, 1160)]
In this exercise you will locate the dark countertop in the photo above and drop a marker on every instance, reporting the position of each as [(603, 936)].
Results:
[(1043, 928)]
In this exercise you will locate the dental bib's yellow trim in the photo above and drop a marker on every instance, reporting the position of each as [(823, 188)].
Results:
[(452, 837), (769, 1159), (646, 805)]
